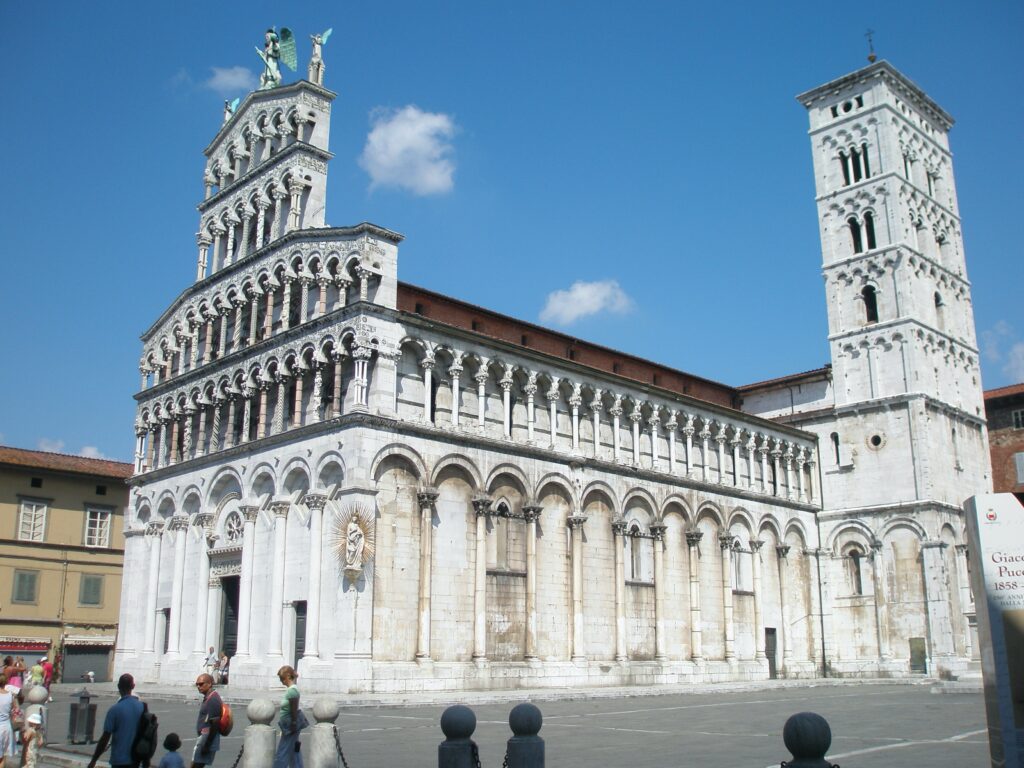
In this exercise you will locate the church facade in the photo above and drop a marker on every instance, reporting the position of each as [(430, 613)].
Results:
[(395, 490)]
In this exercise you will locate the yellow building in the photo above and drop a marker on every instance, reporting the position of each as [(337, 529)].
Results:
[(61, 556)]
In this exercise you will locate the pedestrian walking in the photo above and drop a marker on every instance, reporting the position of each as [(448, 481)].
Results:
[(291, 722), (119, 726), (222, 667), (32, 741), (47, 672), (172, 759), (207, 723)]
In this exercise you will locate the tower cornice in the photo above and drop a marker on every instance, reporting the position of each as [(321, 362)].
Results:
[(886, 71)]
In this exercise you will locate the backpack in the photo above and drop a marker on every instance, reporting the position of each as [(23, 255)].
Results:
[(227, 719), (144, 744)]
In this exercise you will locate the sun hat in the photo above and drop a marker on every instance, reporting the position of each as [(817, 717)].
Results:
[(35, 718)]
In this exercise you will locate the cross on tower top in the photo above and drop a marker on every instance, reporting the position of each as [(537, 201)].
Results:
[(871, 45)]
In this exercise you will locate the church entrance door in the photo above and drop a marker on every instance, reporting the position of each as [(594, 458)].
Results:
[(229, 619), (770, 649), (300, 631)]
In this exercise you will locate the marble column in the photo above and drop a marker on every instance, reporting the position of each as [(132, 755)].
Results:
[(202, 522), (725, 543), (482, 507), (268, 320), (315, 502), (635, 417), (763, 452), (153, 533), (275, 645), (578, 620), (963, 581), (595, 412), (531, 416), (658, 532), (178, 526), (616, 413), (720, 439), (427, 498), (688, 431), (575, 401), (506, 406), (531, 513), (481, 396), (654, 422), (755, 556), (455, 371), (693, 538), (782, 550), (670, 430), (705, 436), (881, 607), (737, 438), (619, 545), (553, 397), (338, 356), (249, 515)]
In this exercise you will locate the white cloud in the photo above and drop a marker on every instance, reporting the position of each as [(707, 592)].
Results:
[(1014, 367), (993, 338), (584, 299), (230, 81), (410, 149), (50, 446), (92, 452)]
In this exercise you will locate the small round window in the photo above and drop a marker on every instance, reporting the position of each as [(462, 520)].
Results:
[(876, 441), (847, 106)]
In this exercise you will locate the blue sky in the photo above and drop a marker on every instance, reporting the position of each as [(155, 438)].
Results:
[(655, 149)]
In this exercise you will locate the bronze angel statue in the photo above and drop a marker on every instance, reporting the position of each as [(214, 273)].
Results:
[(276, 48)]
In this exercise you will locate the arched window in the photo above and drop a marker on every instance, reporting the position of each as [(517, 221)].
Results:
[(869, 229), (939, 304), (844, 164), (853, 560), (635, 554), (858, 246), (870, 304), (864, 160), (834, 437), (855, 162)]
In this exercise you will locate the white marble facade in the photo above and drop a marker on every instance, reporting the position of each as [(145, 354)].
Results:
[(399, 503)]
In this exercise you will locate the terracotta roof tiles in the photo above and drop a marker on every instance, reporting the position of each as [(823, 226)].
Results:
[(62, 462)]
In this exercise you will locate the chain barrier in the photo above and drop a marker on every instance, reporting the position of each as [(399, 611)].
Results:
[(476, 756), (337, 743), (239, 758), (504, 763)]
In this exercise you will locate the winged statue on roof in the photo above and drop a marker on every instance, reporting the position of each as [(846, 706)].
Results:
[(316, 61), (277, 48)]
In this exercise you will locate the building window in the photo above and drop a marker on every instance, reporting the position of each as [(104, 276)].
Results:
[(1018, 461), (233, 528), (869, 229), (1018, 419), (101, 490), (26, 586), (835, 446), (854, 576), (858, 243), (32, 520), (870, 304), (36, 482), (97, 528), (90, 589)]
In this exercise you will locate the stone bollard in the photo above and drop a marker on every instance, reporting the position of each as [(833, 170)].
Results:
[(807, 737), (525, 748), (35, 703), (457, 750), (323, 751), (260, 740)]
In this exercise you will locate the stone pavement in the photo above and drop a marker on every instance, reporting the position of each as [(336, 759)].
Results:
[(879, 723)]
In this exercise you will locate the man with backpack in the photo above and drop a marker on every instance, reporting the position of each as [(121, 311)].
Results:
[(120, 727), (208, 723)]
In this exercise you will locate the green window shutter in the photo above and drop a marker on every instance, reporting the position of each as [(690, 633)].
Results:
[(90, 590)]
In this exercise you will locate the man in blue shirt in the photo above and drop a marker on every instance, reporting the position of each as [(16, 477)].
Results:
[(119, 727)]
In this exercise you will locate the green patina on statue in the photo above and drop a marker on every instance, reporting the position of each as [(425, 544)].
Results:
[(276, 48)]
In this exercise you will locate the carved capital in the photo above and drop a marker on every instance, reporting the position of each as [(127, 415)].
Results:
[(576, 521), (426, 497), (155, 528), (482, 504), (315, 501), (693, 538), (619, 527), (249, 512), (658, 531), (532, 512), (755, 545), (177, 523), (782, 550), (726, 540), (280, 508)]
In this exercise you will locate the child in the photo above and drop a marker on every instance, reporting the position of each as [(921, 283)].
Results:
[(31, 741), (172, 759)]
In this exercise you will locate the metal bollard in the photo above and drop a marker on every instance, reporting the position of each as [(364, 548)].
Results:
[(259, 742), (322, 750), (807, 737), (81, 719), (457, 750), (525, 748)]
